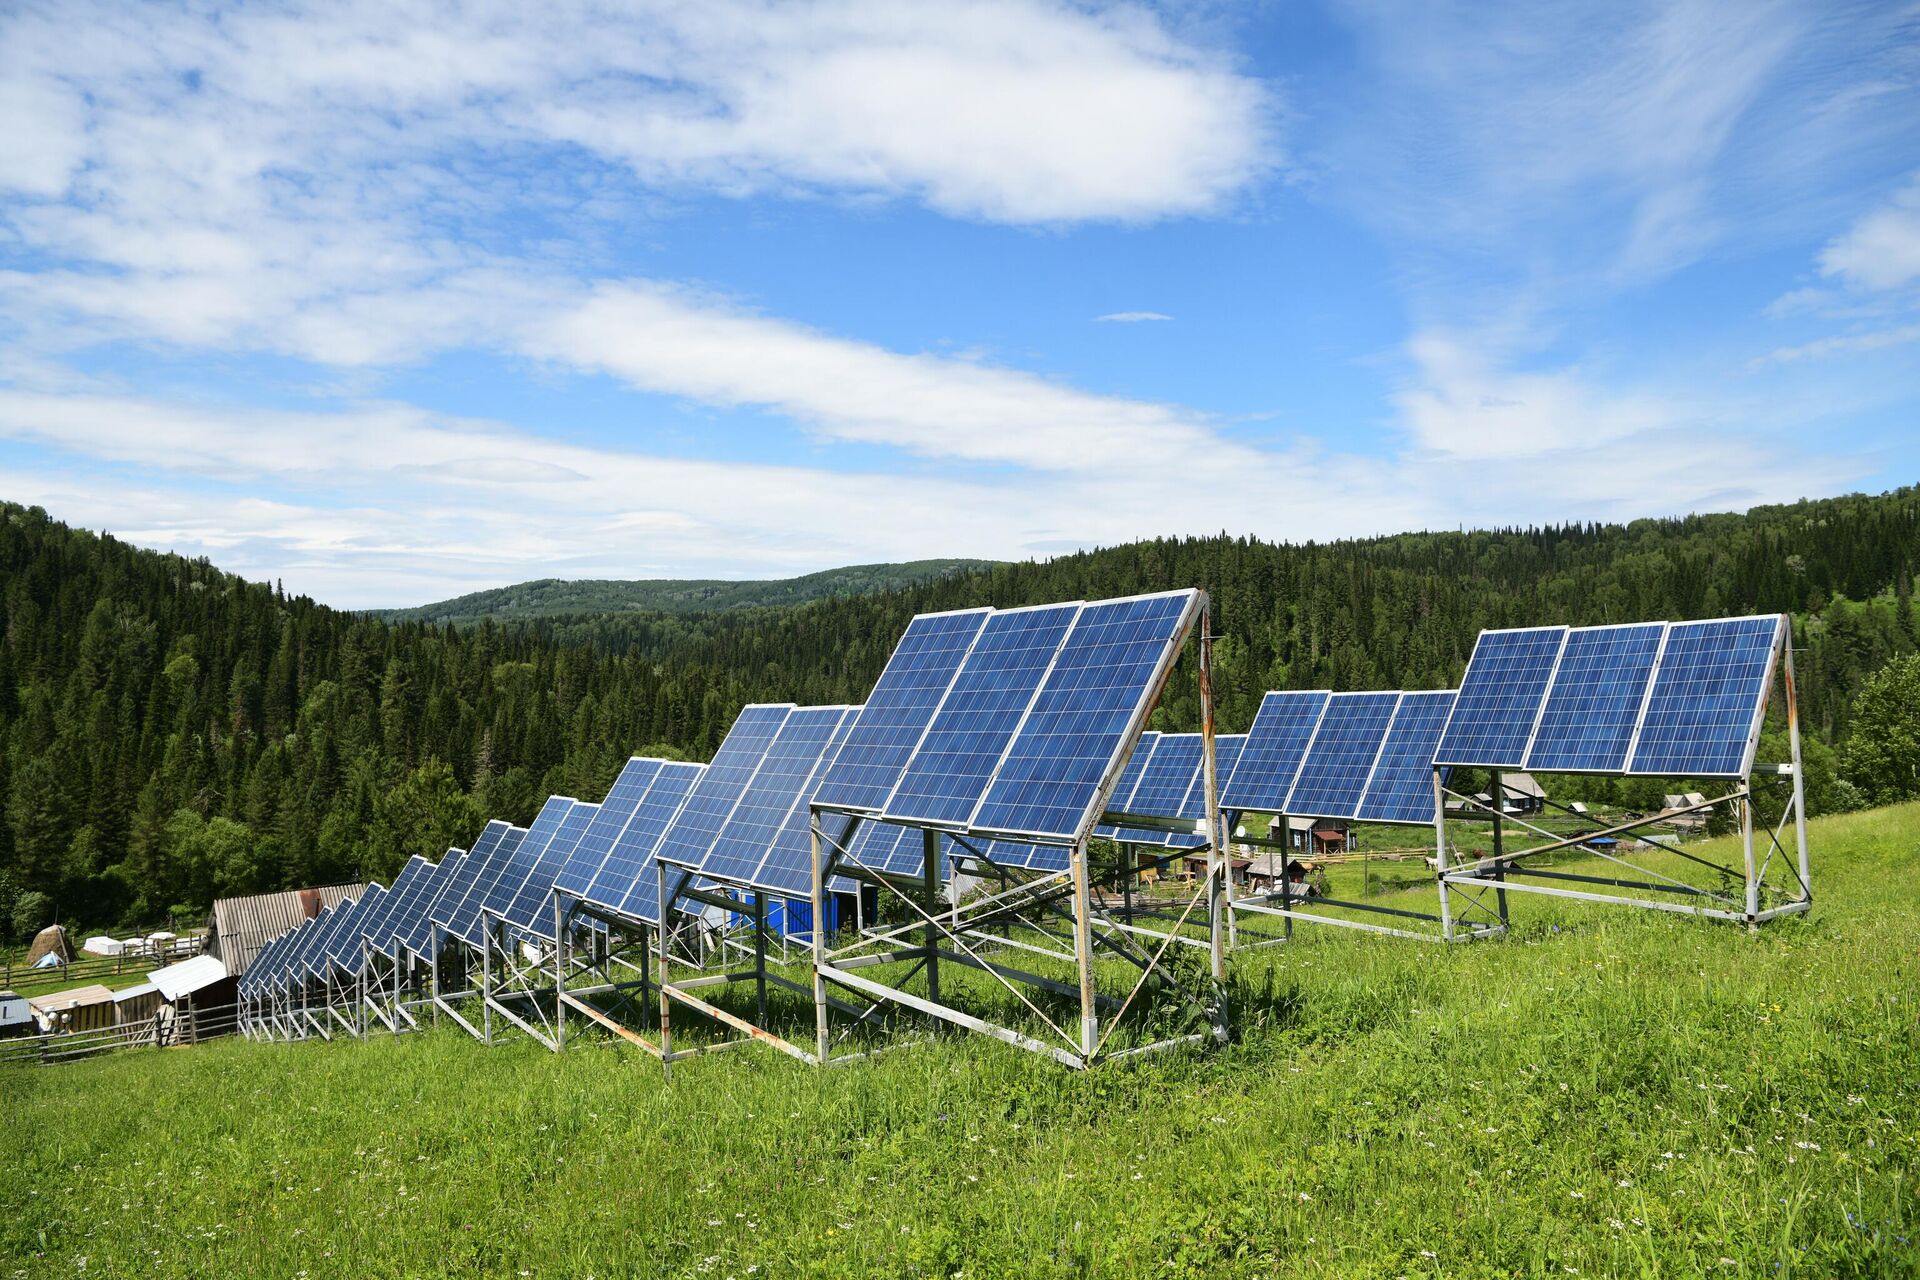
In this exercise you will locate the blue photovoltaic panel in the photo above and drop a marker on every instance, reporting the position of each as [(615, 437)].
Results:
[(491, 835), (950, 769), (1401, 789), (1163, 785), (625, 883), (262, 967), (1270, 758), (1499, 699), (349, 952), (623, 797), (900, 708), (421, 935), (787, 866), (297, 938), (881, 846), (1034, 857), (1088, 710), (401, 904), (791, 760), (714, 796), (1129, 779), (1596, 697), (531, 908), (1707, 698), (1226, 752), (313, 959), (459, 899), (1341, 755), (496, 888)]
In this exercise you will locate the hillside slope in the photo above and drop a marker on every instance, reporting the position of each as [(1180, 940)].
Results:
[(551, 597), (1607, 1093), (170, 733)]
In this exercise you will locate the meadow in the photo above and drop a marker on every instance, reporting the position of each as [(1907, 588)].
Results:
[(1603, 1093)]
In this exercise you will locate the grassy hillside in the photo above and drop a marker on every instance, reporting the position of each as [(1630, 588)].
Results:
[(556, 597), (1605, 1093)]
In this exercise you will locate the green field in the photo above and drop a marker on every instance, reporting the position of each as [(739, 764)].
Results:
[(1604, 1093)]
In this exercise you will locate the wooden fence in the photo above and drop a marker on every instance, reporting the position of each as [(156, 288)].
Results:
[(170, 1027), (88, 968)]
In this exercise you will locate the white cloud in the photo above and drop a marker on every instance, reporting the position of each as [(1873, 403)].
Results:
[(383, 504), (1132, 317), (1463, 403), (668, 340), (1882, 249), (1842, 344)]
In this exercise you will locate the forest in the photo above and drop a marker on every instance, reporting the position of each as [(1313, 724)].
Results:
[(170, 733)]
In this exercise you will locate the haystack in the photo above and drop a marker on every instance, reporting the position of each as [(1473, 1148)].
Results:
[(51, 940)]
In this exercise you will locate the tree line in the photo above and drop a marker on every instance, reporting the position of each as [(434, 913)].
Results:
[(170, 733)]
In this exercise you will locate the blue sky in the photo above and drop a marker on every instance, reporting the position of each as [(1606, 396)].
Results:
[(396, 301)]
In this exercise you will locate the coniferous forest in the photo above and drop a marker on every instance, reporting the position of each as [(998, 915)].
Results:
[(170, 733)]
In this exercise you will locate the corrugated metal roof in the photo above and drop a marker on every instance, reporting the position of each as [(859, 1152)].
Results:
[(71, 998), (188, 976), (241, 926)]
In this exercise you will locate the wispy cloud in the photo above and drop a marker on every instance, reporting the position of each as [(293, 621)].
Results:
[(1882, 249), (1132, 317)]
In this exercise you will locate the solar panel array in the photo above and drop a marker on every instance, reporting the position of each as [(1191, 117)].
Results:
[(1163, 785), (1681, 699), (1334, 775), (1400, 787), (1276, 744), (625, 883)]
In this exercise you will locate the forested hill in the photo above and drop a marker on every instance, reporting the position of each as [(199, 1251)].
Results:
[(551, 597), (171, 733)]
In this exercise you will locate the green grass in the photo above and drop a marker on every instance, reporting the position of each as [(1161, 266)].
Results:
[(1604, 1093)]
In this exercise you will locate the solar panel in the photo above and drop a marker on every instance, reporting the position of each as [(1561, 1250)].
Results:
[(882, 846), (459, 898), (1226, 752), (1163, 785), (491, 835), (712, 800), (1499, 699), (374, 927), (1596, 697), (900, 708), (347, 951), (1401, 788), (531, 907), (1341, 755), (1270, 759), (623, 797), (1129, 780), (787, 866), (790, 762), (1704, 710), (290, 941), (950, 769), (313, 956), (1092, 704), (410, 892), (449, 884), (625, 883), (497, 884)]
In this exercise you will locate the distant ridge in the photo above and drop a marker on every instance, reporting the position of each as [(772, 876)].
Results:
[(557, 597)]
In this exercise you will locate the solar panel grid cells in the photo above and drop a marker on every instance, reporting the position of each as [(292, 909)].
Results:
[(1129, 780), (1163, 785), (1270, 758), (531, 908), (1401, 788), (1598, 690), (314, 955), (459, 901), (879, 846), (346, 952), (1341, 756), (409, 889), (442, 894), (1707, 698), (623, 797), (1500, 696), (714, 796), (1226, 753), (496, 893), (625, 884), (768, 799), (954, 762), (898, 711), (787, 866), (371, 928), (1093, 701)]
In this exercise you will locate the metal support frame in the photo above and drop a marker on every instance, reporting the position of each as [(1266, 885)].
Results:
[(1024, 909)]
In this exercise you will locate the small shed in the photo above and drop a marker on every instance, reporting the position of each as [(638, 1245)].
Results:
[(101, 945), (88, 1008), (50, 941), (16, 1015), (1522, 793), (1320, 835), (135, 1004)]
